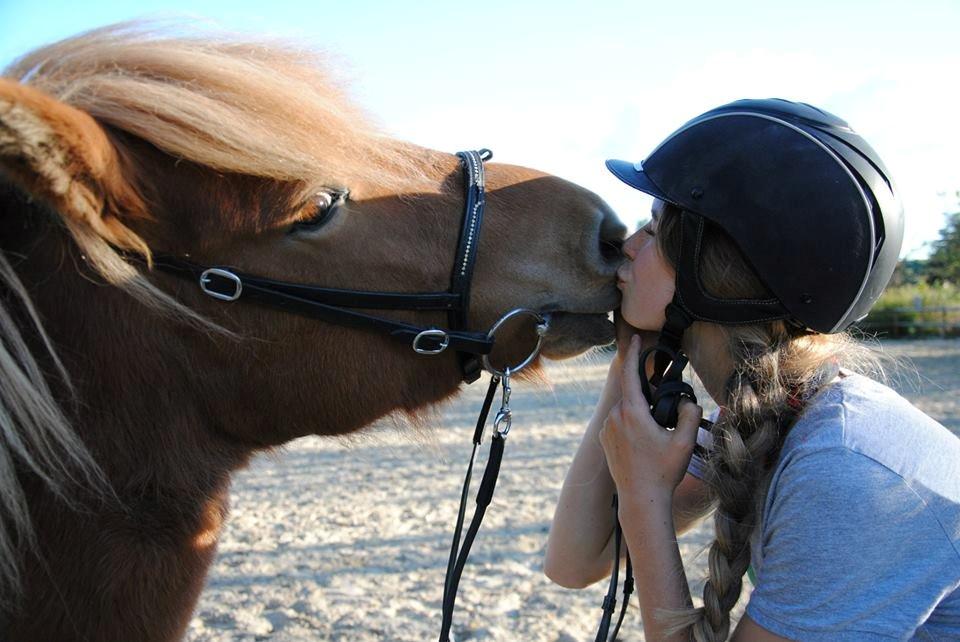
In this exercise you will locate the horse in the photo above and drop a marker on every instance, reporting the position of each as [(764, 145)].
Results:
[(128, 397)]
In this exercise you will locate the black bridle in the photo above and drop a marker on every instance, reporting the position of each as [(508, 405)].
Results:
[(338, 306)]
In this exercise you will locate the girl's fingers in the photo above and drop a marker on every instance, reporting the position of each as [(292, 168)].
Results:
[(630, 390), (688, 420), (624, 332), (648, 338), (624, 329)]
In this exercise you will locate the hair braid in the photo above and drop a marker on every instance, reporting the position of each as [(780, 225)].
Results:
[(747, 440)]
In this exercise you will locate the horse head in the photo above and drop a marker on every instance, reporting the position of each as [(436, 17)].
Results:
[(117, 147)]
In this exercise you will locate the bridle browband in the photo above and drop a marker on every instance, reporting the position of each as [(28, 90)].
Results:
[(339, 306)]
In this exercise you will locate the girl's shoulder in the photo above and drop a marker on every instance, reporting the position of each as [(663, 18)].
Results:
[(864, 503), (867, 417), (859, 429)]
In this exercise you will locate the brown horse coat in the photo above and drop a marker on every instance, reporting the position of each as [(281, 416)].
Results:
[(129, 398)]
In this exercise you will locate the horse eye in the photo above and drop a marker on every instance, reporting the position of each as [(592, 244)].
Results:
[(325, 204)]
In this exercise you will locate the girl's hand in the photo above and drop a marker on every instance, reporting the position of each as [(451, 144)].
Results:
[(645, 459), (625, 332)]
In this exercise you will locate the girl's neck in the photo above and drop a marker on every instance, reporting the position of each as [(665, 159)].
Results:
[(706, 345)]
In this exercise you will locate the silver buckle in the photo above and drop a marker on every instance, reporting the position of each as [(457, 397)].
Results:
[(434, 333), (224, 274)]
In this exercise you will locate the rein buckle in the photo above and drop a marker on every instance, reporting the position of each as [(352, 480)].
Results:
[(433, 333), (208, 277)]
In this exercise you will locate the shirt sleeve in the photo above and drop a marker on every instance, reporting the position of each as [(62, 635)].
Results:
[(848, 551)]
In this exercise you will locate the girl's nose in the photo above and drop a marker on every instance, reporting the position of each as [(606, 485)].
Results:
[(630, 246)]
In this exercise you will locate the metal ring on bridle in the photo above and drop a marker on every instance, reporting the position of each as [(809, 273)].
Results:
[(542, 325), (226, 275), (433, 333)]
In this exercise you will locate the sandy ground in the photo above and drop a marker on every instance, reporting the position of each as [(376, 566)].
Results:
[(348, 539)]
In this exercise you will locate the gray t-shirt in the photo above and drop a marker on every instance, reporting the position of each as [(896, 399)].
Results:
[(860, 534)]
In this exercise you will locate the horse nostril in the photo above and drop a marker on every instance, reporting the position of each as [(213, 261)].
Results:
[(611, 236), (611, 249)]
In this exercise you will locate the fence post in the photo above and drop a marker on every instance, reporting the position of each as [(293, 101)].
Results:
[(943, 322)]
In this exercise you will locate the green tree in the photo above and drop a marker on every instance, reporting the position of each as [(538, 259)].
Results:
[(909, 272), (943, 266)]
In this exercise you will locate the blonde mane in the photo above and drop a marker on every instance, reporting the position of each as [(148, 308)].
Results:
[(261, 109), (258, 108)]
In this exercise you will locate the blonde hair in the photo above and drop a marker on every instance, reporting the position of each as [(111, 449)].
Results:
[(258, 108), (776, 366)]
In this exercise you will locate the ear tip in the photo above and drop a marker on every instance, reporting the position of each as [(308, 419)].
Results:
[(62, 155)]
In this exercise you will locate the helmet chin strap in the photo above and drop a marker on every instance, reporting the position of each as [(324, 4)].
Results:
[(666, 388)]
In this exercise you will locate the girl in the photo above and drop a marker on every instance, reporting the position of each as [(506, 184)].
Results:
[(775, 228)]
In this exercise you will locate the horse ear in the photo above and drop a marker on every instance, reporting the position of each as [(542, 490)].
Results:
[(62, 155)]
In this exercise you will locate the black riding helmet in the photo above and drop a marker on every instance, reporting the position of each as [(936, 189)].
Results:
[(808, 202)]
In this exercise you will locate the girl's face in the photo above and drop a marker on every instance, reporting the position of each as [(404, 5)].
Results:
[(645, 278)]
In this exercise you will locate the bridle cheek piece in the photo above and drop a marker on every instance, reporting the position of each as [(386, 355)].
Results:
[(339, 306)]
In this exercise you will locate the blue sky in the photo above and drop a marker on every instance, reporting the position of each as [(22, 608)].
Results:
[(562, 86)]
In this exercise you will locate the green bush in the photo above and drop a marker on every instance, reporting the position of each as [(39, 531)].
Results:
[(905, 310), (904, 296)]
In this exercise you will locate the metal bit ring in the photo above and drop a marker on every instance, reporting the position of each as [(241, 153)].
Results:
[(541, 330)]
